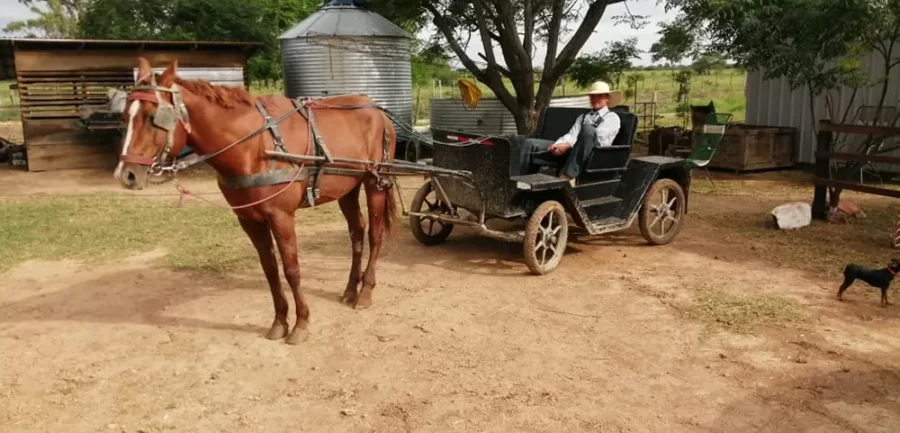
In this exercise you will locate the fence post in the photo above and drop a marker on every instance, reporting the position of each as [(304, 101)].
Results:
[(823, 161)]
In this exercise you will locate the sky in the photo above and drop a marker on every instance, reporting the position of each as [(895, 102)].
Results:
[(11, 10)]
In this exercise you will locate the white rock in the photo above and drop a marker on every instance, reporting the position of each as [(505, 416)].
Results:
[(792, 215)]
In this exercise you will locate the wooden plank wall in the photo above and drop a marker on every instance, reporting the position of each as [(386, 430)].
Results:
[(56, 86)]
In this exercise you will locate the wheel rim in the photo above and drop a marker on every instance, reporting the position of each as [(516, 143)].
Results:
[(666, 213), (548, 239), (431, 226)]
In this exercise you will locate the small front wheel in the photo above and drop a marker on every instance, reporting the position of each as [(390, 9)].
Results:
[(545, 237), (429, 231), (662, 212)]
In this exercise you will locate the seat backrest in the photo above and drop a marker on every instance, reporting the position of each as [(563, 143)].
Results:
[(709, 139), (616, 155), (556, 121)]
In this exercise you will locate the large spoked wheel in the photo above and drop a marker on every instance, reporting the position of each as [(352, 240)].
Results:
[(545, 237), (429, 231), (662, 212)]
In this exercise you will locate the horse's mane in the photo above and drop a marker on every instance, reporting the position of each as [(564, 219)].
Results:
[(224, 96)]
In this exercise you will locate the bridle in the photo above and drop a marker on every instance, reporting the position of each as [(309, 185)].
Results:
[(167, 117)]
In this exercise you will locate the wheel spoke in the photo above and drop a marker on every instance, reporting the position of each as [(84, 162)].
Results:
[(671, 203), (544, 256), (431, 206), (655, 220), (431, 227), (665, 195)]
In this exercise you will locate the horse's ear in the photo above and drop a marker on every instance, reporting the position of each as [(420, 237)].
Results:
[(144, 69), (168, 76)]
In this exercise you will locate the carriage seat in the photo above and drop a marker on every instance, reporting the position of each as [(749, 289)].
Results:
[(603, 162)]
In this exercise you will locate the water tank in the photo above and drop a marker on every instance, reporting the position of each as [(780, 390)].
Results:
[(342, 49)]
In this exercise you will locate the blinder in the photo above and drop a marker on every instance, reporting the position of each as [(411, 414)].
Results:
[(166, 118)]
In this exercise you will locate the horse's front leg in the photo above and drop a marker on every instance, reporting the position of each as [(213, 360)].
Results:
[(262, 239), (282, 226)]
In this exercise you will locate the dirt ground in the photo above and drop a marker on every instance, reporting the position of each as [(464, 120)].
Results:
[(460, 337)]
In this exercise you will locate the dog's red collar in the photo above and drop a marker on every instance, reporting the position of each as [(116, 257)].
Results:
[(893, 272)]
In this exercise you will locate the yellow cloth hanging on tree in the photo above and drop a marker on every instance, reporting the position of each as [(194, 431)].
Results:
[(469, 92)]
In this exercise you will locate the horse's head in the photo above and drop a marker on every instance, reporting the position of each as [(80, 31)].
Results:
[(157, 126)]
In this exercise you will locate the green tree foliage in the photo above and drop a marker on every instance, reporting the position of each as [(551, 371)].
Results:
[(607, 65), (705, 63), (205, 20), (53, 19), (676, 42), (513, 27)]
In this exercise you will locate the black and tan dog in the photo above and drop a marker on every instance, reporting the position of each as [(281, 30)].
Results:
[(878, 278)]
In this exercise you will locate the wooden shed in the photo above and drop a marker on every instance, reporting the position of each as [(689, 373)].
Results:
[(59, 79)]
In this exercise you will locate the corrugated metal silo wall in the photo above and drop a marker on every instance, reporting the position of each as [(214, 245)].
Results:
[(328, 66), (218, 76), (490, 117), (773, 103)]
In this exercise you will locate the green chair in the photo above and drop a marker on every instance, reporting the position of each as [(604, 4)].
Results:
[(708, 142)]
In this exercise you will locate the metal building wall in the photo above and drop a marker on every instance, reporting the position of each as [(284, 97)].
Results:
[(773, 103), (490, 117)]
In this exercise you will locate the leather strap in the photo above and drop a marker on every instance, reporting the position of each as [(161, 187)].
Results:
[(136, 159), (266, 178)]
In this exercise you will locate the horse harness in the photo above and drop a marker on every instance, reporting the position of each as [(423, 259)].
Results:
[(168, 115)]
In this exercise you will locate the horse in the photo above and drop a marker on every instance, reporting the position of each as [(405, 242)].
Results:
[(232, 130)]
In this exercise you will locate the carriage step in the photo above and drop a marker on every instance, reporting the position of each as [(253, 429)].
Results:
[(607, 224), (600, 208), (593, 190)]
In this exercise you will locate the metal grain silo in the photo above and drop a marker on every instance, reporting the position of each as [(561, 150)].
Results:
[(345, 49)]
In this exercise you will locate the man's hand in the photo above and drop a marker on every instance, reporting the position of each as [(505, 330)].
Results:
[(560, 148)]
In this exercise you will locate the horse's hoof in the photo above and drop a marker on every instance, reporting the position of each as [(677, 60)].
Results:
[(348, 298), (363, 303), (278, 331), (299, 336)]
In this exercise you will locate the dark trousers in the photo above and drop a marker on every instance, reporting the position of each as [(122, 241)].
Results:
[(536, 153)]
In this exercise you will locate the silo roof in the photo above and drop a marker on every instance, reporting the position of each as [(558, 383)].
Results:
[(344, 18)]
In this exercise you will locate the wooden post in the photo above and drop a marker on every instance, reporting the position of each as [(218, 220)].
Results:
[(820, 198)]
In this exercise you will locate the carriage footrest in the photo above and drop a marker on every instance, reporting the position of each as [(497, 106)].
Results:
[(538, 182)]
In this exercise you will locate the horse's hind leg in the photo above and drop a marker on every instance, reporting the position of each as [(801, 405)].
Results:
[(377, 202), (356, 225), (282, 226), (262, 240)]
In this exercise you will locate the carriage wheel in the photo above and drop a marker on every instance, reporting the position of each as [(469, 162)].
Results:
[(426, 230), (663, 210), (545, 237)]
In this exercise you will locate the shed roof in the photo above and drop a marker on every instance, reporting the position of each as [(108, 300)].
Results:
[(344, 18)]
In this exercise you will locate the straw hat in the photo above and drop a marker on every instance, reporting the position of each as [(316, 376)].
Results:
[(602, 88)]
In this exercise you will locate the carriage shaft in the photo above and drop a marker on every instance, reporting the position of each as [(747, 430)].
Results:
[(417, 168)]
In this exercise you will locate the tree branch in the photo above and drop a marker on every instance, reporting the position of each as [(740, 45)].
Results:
[(493, 64), (446, 30), (553, 31), (507, 17), (527, 44), (588, 24), (490, 76)]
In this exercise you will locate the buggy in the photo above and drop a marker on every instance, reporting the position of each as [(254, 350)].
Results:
[(611, 192)]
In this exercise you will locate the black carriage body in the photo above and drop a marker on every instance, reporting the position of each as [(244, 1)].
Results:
[(609, 192)]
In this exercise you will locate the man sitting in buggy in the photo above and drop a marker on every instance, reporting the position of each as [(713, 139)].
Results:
[(595, 128)]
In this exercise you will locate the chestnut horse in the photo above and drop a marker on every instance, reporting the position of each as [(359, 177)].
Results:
[(233, 130)]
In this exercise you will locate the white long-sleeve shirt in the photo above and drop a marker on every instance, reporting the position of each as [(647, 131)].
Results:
[(606, 130)]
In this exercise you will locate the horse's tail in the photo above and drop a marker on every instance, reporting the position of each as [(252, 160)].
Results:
[(390, 200)]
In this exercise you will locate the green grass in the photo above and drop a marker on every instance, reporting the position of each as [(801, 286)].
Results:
[(8, 100), (95, 228), (725, 87)]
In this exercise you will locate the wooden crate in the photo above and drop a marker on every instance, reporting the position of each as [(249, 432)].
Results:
[(755, 147)]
